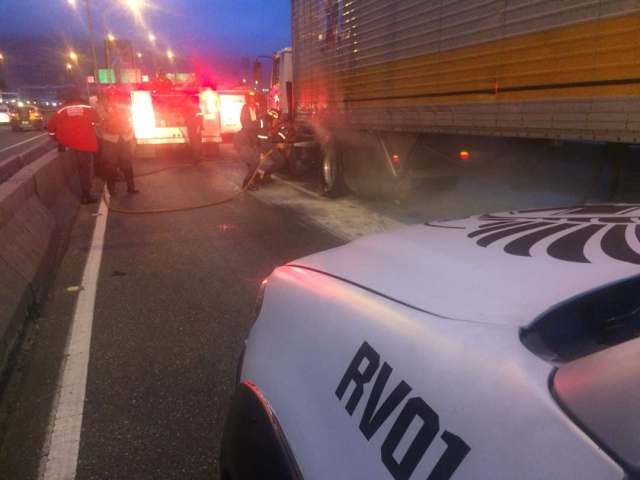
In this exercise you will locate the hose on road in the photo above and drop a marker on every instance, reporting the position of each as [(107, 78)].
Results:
[(107, 200)]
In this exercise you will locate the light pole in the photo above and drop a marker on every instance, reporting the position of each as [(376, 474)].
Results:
[(107, 48), (69, 69), (3, 83), (92, 37), (171, 57), (154, 61)]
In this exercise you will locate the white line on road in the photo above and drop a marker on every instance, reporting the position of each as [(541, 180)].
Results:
[(23, 142), (66, 417)]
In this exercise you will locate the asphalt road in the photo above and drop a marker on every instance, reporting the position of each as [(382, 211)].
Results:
[(173, 305), (174, 302), (12, 143)]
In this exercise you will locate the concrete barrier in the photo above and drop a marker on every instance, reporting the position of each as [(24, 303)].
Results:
[(10, 166), (38, 204)]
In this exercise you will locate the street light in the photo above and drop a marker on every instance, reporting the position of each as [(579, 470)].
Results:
[(139, 54), (111, 38), (69, 67), (73, 56), (170, 55), (1, 57), (134, 5), (152, 38)]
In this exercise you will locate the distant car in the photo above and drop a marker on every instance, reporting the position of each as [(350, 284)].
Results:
[(4, 115), (27, 117), (499, 346)]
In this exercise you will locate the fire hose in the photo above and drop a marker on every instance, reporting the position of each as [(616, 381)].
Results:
[(107, 200)]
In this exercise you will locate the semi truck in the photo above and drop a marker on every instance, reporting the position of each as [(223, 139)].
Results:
[(370, 85)]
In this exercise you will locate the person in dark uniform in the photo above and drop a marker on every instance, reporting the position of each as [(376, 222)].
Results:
[(193, 119), (118, 143), (246, 140)]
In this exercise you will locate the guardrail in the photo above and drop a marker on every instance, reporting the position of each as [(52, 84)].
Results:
[(39, 192), (14, 164)]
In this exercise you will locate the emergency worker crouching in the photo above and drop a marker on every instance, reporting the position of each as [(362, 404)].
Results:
[(118, 143), (257, 142), (73, 127), (272, 133)]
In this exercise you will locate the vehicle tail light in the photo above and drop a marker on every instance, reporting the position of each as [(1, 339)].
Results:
[(143, 116), (464, 155)]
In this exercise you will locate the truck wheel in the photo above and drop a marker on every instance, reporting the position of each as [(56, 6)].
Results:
[(298, 161), (332, 171)]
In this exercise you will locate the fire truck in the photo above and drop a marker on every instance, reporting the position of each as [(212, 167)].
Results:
[(161, 116), (162, 112)]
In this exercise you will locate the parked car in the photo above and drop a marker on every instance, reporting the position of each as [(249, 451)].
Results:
[(499, 346), (4, 115), (27, 117)]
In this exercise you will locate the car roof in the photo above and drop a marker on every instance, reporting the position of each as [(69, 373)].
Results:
[(505, 268)]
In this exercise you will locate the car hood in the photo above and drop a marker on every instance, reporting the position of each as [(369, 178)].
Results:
[(503, 268)]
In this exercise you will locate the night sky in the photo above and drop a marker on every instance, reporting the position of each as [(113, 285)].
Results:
[(198, 30), (244, 27)]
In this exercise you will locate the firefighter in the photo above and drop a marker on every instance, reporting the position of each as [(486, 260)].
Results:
[(267, 158), (249, 119), (73, 126), (193, 119), (118, 142), (246, 140)]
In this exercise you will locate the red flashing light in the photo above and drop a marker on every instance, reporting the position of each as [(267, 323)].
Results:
[(464, 155)]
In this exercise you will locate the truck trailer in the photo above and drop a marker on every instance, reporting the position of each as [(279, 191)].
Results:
[(368, 81)]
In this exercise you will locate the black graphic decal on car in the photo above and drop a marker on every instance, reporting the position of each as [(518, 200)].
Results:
[(570, 233)]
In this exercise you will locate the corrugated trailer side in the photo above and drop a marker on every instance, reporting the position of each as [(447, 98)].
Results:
[(560, 69)]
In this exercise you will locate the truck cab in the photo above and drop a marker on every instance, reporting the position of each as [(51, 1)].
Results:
[(280, 94)]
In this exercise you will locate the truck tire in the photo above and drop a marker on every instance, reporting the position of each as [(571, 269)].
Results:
[(299, 161), (332, 171)]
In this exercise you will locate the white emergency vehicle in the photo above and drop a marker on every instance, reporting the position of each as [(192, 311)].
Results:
[(496, 347), (162, 117)]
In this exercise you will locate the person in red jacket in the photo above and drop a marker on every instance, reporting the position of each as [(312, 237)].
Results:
[(73, 126)]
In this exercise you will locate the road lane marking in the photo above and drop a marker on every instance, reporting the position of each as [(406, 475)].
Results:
[(23, 142), (66, 416)]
